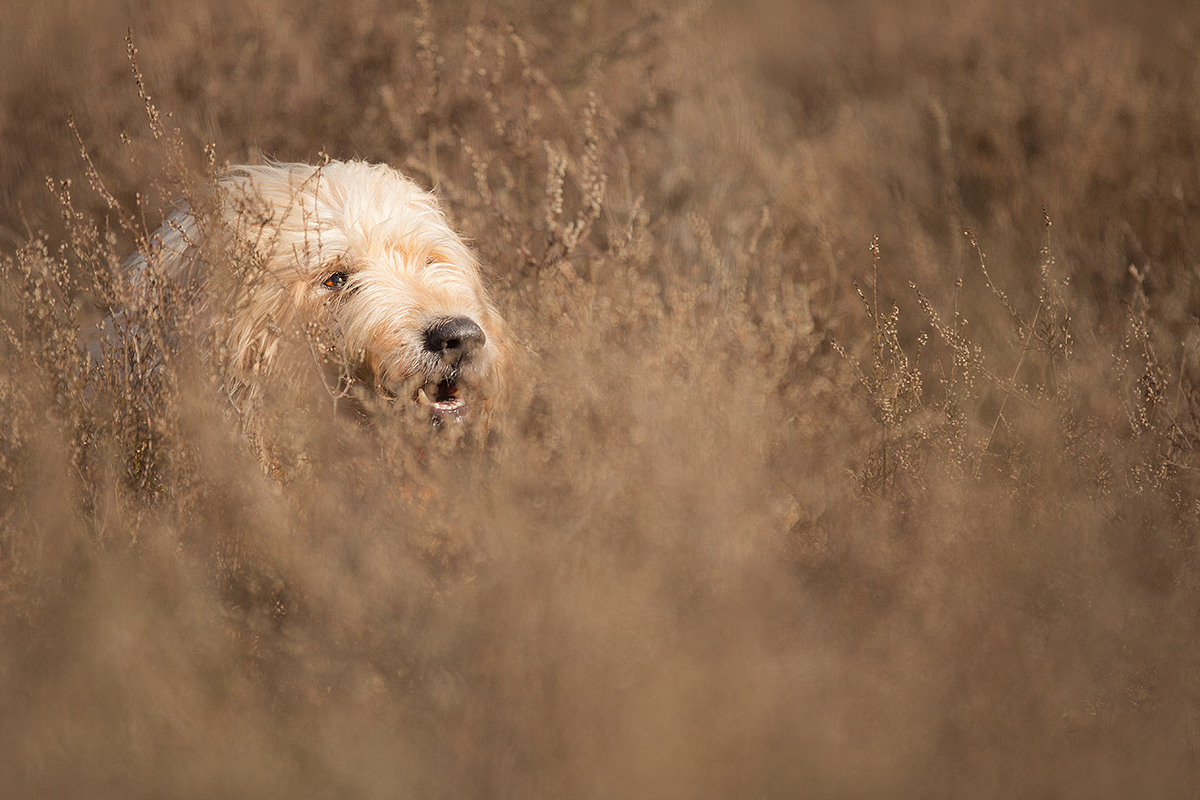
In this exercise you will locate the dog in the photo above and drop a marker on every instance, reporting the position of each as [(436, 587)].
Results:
[(354, 253)]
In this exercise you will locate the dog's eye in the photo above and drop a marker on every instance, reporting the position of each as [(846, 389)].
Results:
[(337, 280)]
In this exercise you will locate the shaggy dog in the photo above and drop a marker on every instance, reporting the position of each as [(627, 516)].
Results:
[(356, 252)]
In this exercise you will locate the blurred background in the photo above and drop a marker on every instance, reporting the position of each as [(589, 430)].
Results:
[(853, 451)]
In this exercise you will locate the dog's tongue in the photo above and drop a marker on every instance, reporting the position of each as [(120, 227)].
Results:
[(442, 396)]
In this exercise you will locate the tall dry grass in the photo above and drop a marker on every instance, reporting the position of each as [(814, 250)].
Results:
[(803, 491)]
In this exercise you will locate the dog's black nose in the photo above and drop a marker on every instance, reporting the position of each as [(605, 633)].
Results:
[(454, 339)]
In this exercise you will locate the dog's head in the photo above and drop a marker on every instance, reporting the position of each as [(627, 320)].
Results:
[(363, 253)]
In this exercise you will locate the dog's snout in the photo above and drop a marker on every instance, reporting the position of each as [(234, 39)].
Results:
[(454, 339)]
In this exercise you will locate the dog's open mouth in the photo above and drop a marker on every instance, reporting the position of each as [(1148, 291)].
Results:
[(442, 397)]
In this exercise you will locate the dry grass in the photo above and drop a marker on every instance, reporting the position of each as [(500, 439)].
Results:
[(747, 531)]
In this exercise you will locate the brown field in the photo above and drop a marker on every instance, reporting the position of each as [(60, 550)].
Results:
[(804, 490)]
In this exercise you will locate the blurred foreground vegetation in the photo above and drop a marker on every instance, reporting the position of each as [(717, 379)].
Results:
[(805, 491)]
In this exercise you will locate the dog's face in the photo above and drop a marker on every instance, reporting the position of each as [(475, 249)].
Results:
[(415, 314), (365, 253)]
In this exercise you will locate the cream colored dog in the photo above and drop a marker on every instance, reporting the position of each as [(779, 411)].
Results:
[(359, 253)]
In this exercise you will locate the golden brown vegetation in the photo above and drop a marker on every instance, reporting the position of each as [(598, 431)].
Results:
[(748, 532)]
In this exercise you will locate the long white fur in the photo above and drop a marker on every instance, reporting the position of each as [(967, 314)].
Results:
[(406, 270)]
